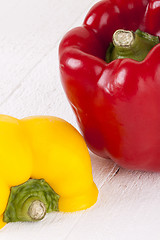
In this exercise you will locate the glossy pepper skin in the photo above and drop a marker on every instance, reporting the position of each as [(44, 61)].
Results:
[(116, 104), (48, 148)]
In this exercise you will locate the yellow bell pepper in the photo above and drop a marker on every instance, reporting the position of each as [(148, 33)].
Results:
[(46, 148)]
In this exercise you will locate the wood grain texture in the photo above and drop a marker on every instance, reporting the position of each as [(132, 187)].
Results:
[(128, 202)]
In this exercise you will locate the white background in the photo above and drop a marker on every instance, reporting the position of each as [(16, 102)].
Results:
[(128, 205)]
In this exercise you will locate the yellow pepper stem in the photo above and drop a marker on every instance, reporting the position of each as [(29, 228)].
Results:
[(30, 201)]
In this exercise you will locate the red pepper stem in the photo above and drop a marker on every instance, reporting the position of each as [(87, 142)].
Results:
[(129, 44), (123, 38)]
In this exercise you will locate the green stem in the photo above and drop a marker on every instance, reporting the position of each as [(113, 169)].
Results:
[(33, 210), (30, 201), (129, 44)]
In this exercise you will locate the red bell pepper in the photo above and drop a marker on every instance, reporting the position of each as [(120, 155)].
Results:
[(117, 104)]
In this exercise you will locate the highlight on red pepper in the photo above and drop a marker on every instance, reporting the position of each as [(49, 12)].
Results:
[(110, 71), (44, 166)]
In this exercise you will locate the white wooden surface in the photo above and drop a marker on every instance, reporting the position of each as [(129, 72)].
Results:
[(128, 205)]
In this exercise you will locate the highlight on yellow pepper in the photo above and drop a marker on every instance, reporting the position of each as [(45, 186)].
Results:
[(45, 166)]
